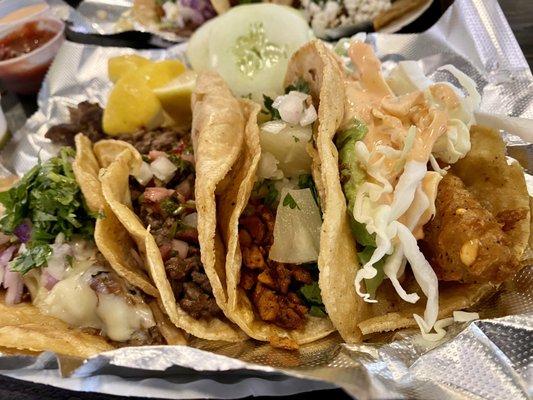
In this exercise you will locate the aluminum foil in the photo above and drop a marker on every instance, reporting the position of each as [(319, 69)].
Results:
[(490, 358), (107, 17)]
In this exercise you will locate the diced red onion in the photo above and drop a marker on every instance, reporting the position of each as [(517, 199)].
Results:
[(185, 189), (48, 280), (191, 220), (5, 258), (163, 168), (190, 14), (14, 285), (181, 247), (156, 194), (23, 232)]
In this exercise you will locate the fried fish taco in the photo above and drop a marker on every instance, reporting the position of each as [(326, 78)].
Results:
[(151, 190), (270, 218), (420, 204), (62, 292)]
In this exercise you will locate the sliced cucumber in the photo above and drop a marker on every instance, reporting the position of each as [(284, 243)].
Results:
[(249, 46), (198, 46)]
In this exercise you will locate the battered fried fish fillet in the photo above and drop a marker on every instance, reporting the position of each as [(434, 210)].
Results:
[(464, 242)]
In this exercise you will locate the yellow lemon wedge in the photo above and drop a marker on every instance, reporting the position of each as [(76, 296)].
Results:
[(131, 106), (175, 97), (160, 73), (121, 65)]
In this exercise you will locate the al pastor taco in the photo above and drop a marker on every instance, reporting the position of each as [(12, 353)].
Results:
[(270, 218), (420, 204)]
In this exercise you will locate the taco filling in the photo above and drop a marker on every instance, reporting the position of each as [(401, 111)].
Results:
[(49, 258), (163, 198), (398, 141), (280, 227)]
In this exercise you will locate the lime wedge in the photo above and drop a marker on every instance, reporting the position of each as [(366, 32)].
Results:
[(175, 97)]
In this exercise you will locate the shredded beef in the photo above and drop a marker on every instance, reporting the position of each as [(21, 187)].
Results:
[(271, 286), (149, 337), (103, 282), (86, 118), (160, 139), (187, 277)]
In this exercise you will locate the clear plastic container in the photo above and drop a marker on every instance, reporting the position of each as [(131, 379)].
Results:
[(25, 73), (17, 11)]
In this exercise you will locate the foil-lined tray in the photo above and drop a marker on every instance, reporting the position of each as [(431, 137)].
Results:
[(107, 17), (489, 358)]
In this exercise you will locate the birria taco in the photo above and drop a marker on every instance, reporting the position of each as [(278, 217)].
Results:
[(270, 217), (65, 265), (420, 205), (151, 190)]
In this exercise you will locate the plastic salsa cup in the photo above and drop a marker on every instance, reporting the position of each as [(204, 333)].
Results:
[(27, 50)]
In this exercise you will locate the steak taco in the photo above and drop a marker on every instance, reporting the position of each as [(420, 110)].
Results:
[(65, 292), (270, 218), (150, 188), (420, 203)]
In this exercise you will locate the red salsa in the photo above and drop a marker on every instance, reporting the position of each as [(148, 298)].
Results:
[(24, 40)]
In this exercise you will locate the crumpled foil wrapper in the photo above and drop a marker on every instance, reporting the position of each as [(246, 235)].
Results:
[(107, 17), (489, 358)]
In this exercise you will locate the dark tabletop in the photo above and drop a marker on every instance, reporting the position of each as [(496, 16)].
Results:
[(519, 13)]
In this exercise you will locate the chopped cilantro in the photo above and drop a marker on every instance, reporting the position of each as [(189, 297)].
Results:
[(299, 86), (306, 181), (48, 196), (274, 113), (184, 167), (311, 295), (289, 201), (169, 206), (31, 258), (318, 311), (266, 190)]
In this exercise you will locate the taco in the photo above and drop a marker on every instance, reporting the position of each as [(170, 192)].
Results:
[(420, 204), (151, 189), (181, 17), (63, 293), (270, 219)]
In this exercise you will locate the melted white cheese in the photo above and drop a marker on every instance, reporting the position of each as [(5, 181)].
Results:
[(73, 301)]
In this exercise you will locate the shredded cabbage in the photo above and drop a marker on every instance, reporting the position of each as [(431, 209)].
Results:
[(398, 197)]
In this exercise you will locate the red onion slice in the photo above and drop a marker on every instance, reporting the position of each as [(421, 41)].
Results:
[(14, 285), (48, 280), (156, 194), (5, 257)]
